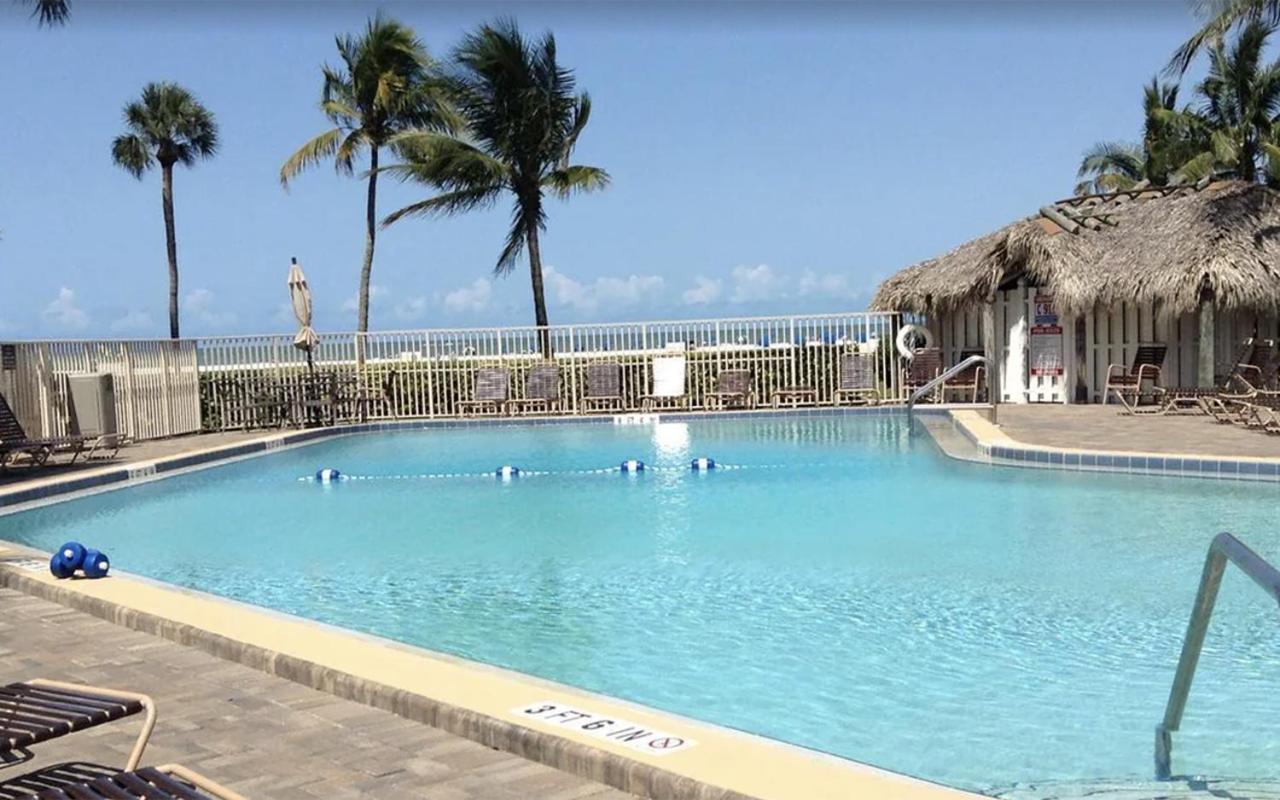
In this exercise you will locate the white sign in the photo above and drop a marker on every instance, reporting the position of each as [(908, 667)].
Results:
[(634, 419), (1046, 350), (603, 726)]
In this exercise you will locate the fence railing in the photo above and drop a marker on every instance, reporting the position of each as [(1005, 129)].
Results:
[(156, 383), (166, 388), (429, 373)]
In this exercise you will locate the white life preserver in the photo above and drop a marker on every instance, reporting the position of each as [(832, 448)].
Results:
[(909, 332)]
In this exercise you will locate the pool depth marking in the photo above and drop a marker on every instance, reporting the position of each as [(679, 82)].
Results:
[(602, 726)]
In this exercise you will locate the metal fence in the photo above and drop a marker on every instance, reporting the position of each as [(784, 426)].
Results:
[(430, 373), (165, 388), (156, 382)]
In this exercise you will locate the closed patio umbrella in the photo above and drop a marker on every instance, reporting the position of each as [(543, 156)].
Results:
[(300, 296)]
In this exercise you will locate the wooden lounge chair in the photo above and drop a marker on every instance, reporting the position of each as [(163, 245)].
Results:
[(88, 782), (493, 385), (14, 441), (925, 365), (733, 388), (668, 383), (858, 379), (1129, 385), (37, 711), (604, 386), (541, 391)]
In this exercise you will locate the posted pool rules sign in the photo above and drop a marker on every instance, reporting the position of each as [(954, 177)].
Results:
[(603, 726)]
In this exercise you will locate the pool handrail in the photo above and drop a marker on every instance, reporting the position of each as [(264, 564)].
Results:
[(1223, 549), (942, 377)]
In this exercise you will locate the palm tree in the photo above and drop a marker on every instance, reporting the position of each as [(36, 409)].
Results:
[(1220, 17), (385, 86), (1170, 138), (523, 119), (50, 12), (167, 126), (1239, 109)]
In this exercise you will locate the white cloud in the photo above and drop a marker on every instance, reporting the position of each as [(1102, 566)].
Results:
[(602, 292), (755, 284), (133, 322), (827, 285), (411, 308), (63, 312), (704, 292), (352, 305), (473, 298), (200, 304)]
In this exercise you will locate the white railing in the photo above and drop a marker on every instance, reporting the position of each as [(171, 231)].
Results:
[(428, 373), (157, 384)]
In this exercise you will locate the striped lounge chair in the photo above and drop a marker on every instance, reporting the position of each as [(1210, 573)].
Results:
[(493, 386), (858, 379), (1141, 379), (15, 443), (733, 388), (77, 781), (39, 710), (604, 386), (541, 391)]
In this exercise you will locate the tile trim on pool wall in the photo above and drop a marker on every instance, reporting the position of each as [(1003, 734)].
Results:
[(997, 448)]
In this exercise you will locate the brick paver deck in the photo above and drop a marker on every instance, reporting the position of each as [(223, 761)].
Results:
[(260, 735)]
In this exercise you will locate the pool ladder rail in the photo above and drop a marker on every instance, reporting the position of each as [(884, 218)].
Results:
[(944, 376), (1224, 548)]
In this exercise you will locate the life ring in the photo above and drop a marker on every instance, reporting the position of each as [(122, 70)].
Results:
[(908, 338)]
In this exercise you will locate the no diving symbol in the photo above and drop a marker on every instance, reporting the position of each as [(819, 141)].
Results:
[(666, 743)]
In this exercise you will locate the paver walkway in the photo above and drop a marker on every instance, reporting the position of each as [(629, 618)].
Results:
[(263, 736)]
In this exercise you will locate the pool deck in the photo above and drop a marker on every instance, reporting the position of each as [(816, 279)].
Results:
[(261, 735)]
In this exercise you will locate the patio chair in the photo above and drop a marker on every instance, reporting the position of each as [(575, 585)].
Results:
[(39, 710), (1252, 371), (1128, 384), (926, 364), (493, 385), (858, 379), (604, 386), (79, 781), (384, 395), (971, 381), (14, 441), (541, 391), (668, 383), (733, 387)]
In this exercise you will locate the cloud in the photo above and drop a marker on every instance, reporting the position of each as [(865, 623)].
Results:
[(62, 311), (133, 322), (470, 299), (411, 308), (200, 304), (704, 292), (605, 292), (826, 285), (756, 284), (376, 292)]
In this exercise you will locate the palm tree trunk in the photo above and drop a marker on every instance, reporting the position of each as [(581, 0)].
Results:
[(370, 233), (171, 245), (539, 298)]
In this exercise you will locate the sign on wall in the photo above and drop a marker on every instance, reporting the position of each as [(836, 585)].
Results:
[(1046, 339)]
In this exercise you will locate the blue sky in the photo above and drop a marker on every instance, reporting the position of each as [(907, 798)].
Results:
[(766, 158)]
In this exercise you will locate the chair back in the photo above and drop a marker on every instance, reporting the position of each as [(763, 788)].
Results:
[(734, 381), (543, 383), (10, 429), (926, 365), (604, 380), (1148, 355), (668, 376), (857, 372), (1267, 362), (969, 375), (492, 384)]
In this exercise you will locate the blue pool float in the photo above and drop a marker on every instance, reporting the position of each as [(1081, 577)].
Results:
[(328, 475), (631, 465), (506, 472), (702, 464)]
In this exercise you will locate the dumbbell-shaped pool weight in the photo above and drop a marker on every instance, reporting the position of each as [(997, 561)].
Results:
[(95, 564)]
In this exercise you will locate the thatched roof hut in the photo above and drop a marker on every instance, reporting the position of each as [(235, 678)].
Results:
[(1173, 246)]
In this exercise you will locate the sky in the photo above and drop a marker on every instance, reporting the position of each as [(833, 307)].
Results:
[(766, 158)]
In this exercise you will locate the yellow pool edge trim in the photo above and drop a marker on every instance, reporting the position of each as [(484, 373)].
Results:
[(724, 763)]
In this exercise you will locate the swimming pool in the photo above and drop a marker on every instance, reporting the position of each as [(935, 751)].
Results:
[(847, 587)]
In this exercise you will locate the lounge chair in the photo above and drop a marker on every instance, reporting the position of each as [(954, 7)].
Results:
[(541, 390), (1253, 375), (39, 710), (733, 388), (926, 364), (858, 379), (970, 381), (668, 383), (1128, 384), (604, 386), (493, 386), (89, 782), (14, 441)]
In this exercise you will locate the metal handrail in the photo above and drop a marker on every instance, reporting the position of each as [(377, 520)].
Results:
[(942, 378), (1224, 548)]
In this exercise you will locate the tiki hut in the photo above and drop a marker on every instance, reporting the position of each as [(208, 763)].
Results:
[(1079, 286)]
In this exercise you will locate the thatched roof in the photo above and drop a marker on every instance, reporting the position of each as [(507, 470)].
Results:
[(1167, 244)]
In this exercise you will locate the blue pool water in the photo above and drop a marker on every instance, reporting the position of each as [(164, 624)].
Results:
[(849, 589)]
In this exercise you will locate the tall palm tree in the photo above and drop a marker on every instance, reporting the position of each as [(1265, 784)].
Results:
[(1221, 16), (385, 85), (1170, 137), (523, 119), (1239, 109), (166, 126)]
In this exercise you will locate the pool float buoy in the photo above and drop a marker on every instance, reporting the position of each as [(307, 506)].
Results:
[(908, 335), (631, 465), (702, 464)]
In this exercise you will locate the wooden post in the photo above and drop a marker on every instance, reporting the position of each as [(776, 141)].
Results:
[(989, 349), (1204, 362)]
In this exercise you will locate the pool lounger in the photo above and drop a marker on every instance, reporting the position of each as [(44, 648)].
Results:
[(166, 782), (37, 711)]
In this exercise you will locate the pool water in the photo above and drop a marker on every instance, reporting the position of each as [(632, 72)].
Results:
[(847, 588)]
